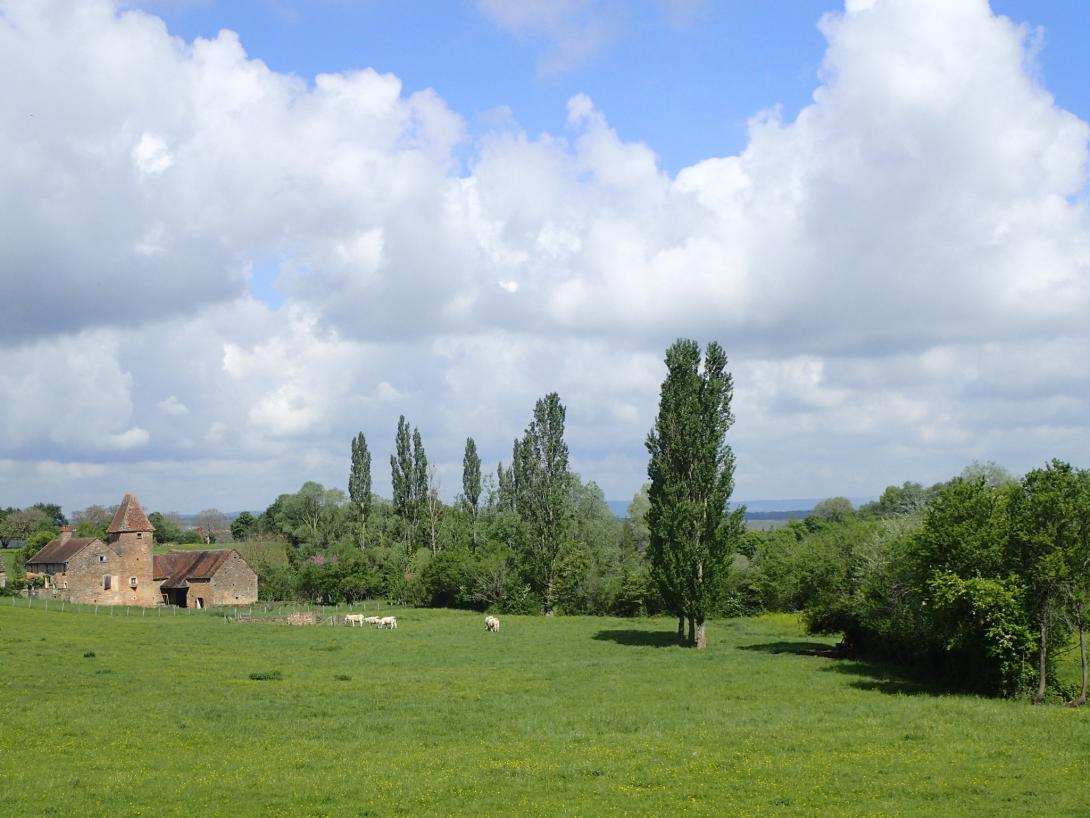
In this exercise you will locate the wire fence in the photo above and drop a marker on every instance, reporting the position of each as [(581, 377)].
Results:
[(330, 614)]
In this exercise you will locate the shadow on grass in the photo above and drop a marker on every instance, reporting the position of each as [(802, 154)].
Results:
[(797, 648), (637, 638), (884, 678), (874, 675)]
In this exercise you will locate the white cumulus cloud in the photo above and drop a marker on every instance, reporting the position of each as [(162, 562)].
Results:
[(900, 274)]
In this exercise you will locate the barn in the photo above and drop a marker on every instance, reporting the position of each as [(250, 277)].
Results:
[(201, 579), (123, 571)]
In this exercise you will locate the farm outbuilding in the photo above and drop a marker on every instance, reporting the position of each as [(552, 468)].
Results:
[(201, 579), (123, 571)]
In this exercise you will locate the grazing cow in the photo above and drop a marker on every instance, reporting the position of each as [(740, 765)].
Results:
[(492, 624), (389, 622), (373, 620), (354, 619)]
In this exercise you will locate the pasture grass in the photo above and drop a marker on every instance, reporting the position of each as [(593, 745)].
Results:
[(190, 715), (255, 552)]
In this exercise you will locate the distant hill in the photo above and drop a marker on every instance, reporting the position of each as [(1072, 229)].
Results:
[(792, 508)]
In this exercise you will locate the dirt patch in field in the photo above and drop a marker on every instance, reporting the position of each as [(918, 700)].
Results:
[(290, 619)]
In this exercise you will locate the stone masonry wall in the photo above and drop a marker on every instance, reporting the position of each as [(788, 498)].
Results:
[(86, 570), (235, 583)]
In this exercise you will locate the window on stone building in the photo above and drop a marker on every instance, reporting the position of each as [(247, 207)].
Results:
[(132, 582), (102, 558), (105, 582)]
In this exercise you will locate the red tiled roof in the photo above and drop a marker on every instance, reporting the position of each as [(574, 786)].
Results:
[(129, 517), (177, 567), (58, 550)]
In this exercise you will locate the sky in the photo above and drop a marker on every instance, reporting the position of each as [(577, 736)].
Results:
[(238, 233)]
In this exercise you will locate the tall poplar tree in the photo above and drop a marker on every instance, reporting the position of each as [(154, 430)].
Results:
[(420, 468), (691, 469), (409, 480), (401, 471), (505, 486), (471, 476), (359, 479), (543, 489), (471, 484), (420, 487)]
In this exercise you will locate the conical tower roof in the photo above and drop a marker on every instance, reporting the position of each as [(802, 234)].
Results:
[(129, 517)]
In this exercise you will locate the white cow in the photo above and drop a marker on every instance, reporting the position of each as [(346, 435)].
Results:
[(492, 624), (389, 622), (354, 619)]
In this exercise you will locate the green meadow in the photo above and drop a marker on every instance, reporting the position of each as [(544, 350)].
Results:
[(163, 714), (255, 552)]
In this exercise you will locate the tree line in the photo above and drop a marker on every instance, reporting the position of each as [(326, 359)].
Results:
[(532, 537), (978, 582)]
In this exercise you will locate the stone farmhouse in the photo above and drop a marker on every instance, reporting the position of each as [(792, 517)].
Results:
[(124, 571)]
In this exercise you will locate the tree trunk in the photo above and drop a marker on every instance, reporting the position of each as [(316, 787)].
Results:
[(1081, 700), (548, 601), (680, 627), (692, 630), (1043, 665), (701, 641)]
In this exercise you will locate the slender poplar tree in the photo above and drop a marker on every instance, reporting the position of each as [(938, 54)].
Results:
[(419, 484), (471, 476), (691, 469), (401, 471), (359, 479), (505, 487), (471, 485), (543, 490)]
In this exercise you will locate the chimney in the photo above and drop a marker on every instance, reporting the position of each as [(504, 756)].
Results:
[(66, 533)]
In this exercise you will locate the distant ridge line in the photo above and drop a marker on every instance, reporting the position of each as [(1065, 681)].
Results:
[(787, 509)]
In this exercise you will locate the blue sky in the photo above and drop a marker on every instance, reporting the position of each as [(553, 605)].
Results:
[(685, 86), (250, 245)]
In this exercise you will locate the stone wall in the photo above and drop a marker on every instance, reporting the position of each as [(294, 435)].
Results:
[(235, 583), (85, 582), (134, 549)]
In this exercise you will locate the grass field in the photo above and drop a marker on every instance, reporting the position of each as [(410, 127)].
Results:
[(254, 552), (563, 716)]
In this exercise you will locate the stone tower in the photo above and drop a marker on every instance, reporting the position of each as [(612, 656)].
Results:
[(130, 535)]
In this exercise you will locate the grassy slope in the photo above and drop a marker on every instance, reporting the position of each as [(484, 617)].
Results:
[(568, 716), (253, 551)]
